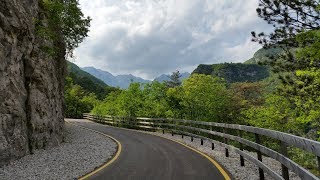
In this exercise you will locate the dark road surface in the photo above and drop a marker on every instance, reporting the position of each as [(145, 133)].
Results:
[(144, 156)]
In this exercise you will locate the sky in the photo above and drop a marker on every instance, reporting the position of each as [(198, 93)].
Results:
[(148, 38)]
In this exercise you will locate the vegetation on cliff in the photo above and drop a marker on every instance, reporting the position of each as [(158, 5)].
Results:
[(264, 55), (234, 72), (63, 18)]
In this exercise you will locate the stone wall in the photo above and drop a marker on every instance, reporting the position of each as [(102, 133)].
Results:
[(31, 83)]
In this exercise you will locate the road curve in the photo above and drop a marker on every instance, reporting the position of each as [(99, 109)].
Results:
[(144, 156)]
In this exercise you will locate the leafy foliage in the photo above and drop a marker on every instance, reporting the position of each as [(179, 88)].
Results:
[(63, 18), (289, 18), (77, 100), (158, 100), (297, 32), (245, 96), (276, 114), (205, 98)]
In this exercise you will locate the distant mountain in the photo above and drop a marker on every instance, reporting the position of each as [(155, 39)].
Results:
[(122, 81), (166, 77), (125, 80), (235, 72), (88, 82)]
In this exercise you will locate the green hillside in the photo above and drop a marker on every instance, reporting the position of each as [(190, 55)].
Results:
[(263, 55), (234, 72), (88, 82)]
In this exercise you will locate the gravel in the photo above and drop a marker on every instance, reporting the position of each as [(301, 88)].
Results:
[(231, 163), (81, 153)]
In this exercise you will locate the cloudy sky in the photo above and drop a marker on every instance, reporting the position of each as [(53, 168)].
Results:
[(151, 37)]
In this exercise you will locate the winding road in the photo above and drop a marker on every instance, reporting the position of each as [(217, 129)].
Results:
[(144, 156)]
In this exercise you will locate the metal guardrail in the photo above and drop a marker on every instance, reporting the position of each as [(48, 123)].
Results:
[(207, 130)]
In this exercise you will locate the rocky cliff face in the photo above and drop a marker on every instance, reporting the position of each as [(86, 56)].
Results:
[(31, 83)]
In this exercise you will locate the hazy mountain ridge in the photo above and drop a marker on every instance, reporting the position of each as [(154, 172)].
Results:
[(166, 77), (87, 81), (122, 81)]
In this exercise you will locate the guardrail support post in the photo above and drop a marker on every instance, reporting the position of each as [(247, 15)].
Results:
[(284, 151), (162, 131), (226, 142), (258, 141), (318, 164), (201, 141), (241, 148), (182, 136), (191, 138), (227, 152), (212, 144), (171, 133)]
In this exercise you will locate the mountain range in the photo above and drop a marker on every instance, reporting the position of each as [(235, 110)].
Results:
[(248, 71), (88, 82), (123, 81), (166, 77)]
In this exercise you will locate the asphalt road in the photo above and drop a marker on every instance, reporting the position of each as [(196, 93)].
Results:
[(144, 156)]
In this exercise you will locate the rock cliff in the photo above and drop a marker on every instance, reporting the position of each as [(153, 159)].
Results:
[(31, 83)]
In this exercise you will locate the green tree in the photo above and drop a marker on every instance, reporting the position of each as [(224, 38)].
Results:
[(155, 104), (131, 101), (64, 18), (77, 100), (174, 97), (276, 113), (296, 25), (206, 98), (245, 96), (74, 106), (109, 106), (289, 18), (90, 101), (174, 80)]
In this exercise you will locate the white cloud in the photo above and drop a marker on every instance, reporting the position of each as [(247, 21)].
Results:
[(151, 37)]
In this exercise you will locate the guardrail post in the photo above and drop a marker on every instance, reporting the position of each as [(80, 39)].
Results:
[(226, 142), (212, 144), (241, 148), (201, 141), (171, 133), (284, 151), (318, 164), (258, 141), (182, 136), (162, 131), (191, 138)]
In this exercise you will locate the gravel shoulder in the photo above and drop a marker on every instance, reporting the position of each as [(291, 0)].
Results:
[(232, 163), (82, 152)]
